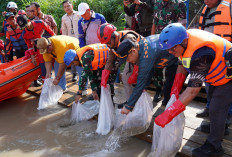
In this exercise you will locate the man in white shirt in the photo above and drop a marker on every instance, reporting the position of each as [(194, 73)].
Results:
[(69, 27)]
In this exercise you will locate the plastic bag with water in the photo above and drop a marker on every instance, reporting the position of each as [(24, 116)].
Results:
[(86, 111), (106, 112), (137, 121), (167, 141), (50, 94)]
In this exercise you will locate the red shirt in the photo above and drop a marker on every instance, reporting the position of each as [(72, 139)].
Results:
[(31, 36), (37, 32)]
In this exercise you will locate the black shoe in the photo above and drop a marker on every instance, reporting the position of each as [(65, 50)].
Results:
[(74, 79), (37, 83), (121, 105), (157, 96), (207, 150), (203, 113), (206, 129)]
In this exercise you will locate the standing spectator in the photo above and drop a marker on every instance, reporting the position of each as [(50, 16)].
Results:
[(142, 10), (14, 38), (166, 12), (10, 7), (88, 25), (70, 20), (69, 27), (48, 19), (30, 14), (208, 21)]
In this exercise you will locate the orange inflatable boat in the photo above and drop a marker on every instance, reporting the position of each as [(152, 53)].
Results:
[(16, 77)]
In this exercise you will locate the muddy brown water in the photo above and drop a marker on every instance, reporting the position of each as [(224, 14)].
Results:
[(27, 132)]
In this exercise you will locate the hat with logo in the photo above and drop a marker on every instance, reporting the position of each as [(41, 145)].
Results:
[(8, 15), (124, 49), (22, 21), (125, 46), (82, 7), (42, 45)]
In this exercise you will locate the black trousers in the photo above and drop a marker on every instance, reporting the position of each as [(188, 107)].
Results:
[(170, 74), (220, 100)]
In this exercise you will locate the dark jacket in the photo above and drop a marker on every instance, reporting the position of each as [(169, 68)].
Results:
[(150, 56), (145, 15)]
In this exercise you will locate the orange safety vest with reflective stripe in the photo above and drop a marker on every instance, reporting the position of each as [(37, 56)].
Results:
[(100, 51), (122, 34), (197, 39), (222, 20)]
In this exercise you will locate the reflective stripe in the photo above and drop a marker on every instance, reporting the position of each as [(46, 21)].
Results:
[(99, 55), (215, 68), (220, 78), (217, 73), (107, 52), (225, 3), (103, 54)]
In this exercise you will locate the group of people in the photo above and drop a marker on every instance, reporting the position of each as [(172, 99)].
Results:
[(153, 42)]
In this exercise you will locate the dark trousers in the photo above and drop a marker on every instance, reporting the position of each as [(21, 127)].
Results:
[(18, 54), (170, 74), (220, 100)]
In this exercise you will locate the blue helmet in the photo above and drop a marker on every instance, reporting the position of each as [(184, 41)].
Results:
[(69, 56), (173, 34)]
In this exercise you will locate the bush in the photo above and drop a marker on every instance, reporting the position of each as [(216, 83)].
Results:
[(111, 9)]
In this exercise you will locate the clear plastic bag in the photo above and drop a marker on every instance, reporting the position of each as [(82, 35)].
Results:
[(106, 112), (86, 111), (167, 141), (50, 94), (137, 121)]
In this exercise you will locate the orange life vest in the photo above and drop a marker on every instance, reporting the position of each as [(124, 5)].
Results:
[(122, 35), (100, 51), (197, 39), (222, 20)]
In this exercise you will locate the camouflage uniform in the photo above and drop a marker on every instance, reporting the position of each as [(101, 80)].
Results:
[(165, 13), (94, 76), (168, 12)]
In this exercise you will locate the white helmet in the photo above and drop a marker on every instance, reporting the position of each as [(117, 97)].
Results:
[(12, 5)]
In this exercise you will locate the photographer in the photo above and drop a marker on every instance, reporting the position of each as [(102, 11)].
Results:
[(143, 11)]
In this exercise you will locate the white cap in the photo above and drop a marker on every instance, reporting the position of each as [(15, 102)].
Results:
[(82, 7)]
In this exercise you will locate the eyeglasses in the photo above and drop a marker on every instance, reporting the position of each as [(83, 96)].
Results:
[(173, 49)]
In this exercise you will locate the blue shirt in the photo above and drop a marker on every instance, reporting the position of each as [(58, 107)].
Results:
[(150, 57), (91, 33)]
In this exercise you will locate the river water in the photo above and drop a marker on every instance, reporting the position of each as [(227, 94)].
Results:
[(27, 132)]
